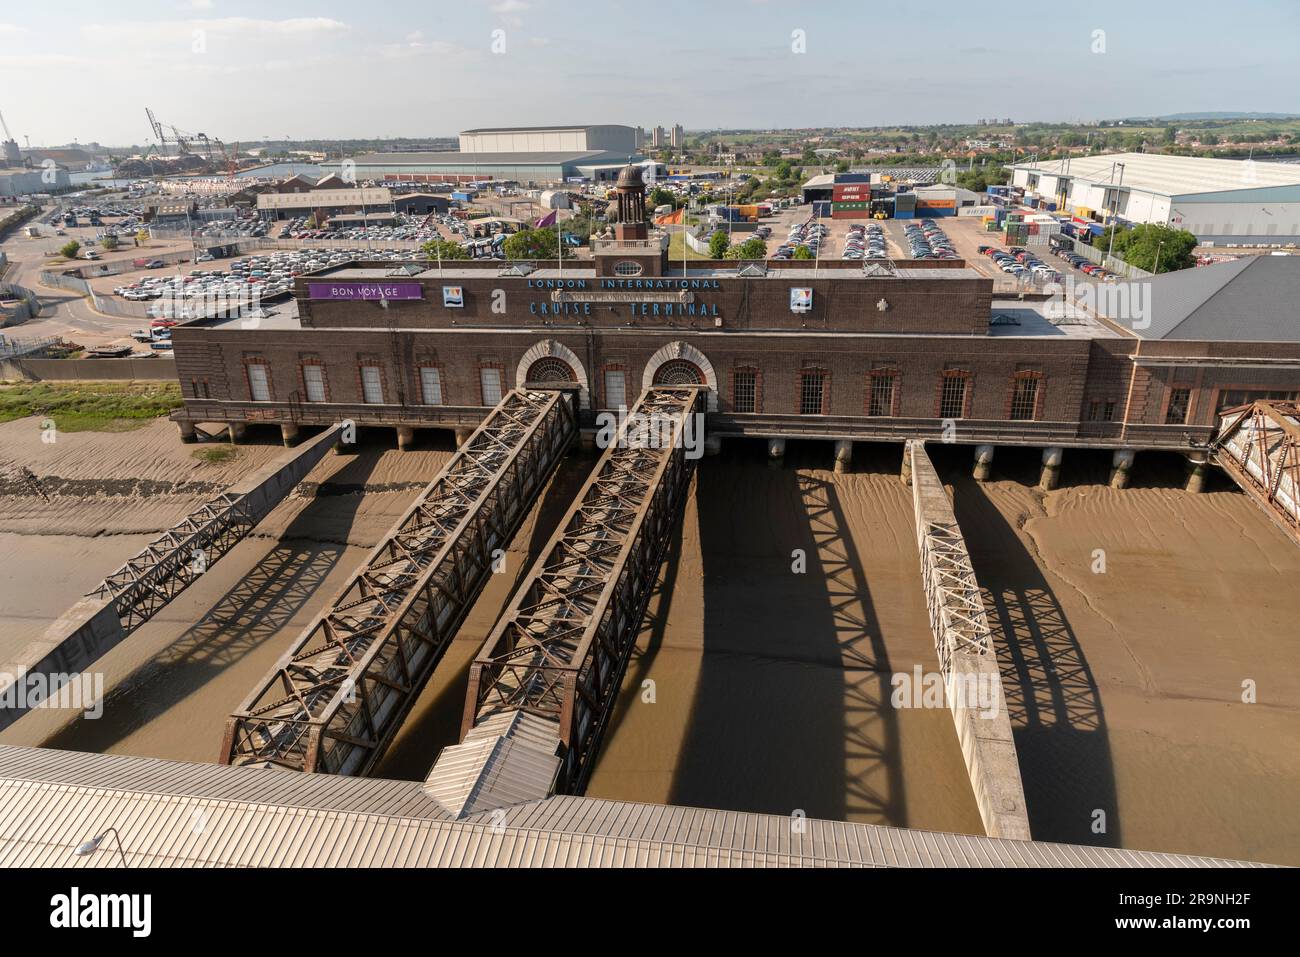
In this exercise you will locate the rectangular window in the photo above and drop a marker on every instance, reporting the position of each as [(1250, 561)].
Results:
[(812, 392), (952, 400), (1094, 410), (259, 384), (615, 389), (745, 391), (1179, 401), (431, 385), (372, 385), (490, 380), (881, 400), (199, 387), (1109, 413), (313, 378), (1024, 399)]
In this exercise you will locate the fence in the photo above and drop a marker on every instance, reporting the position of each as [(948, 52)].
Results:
[(1113, 263)]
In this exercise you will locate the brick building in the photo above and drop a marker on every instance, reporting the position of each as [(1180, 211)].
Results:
[(787, 349)]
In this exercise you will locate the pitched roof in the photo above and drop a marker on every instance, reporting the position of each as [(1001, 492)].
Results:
[(1251, 299)]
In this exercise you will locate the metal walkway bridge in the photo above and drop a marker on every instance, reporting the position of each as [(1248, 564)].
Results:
[(1259, 446), (337, 697), (543, 686), (145, 583)]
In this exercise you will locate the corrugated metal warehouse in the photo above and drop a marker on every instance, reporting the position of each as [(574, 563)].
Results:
[(1221, 201)]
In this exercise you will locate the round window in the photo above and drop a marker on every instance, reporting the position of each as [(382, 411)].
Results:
[(627, 268)]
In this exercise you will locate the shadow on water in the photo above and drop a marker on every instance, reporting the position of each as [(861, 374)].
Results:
[(259, 607), (791, 706), (434, 722), (1052, 697)]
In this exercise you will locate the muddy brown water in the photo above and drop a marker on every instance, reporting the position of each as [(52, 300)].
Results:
[(755, 686)]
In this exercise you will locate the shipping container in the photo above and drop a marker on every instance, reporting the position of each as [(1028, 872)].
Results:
[(904, 214), (821, 207), (852, 178)]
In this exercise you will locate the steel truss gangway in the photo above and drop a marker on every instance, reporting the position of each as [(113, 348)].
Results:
[(1258, 445), (543, 686), (149, 580), (336, 698)]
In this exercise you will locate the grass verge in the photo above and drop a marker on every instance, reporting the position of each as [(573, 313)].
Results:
[(90, 406)]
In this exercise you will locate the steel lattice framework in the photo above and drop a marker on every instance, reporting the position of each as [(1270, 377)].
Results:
[(173, 561), (560, 649), (952, 593), (1259, 446), (334, 701)]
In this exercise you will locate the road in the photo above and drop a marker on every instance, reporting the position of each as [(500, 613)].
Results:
[(65, 313)]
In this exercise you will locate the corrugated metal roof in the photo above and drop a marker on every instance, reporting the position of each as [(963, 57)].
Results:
[(451, 158), (1171, 175), (510, 758), (173, 814)]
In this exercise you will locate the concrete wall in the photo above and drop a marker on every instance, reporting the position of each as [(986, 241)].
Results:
[(985, 735), (158, 369), (92, 626)]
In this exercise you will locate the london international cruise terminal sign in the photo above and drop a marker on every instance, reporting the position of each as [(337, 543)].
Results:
[(365, 291)]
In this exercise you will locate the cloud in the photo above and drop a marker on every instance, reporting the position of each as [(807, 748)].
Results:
[(510, 6)]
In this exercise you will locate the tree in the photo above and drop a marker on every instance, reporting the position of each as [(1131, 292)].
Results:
[(749, 249), (142, 237), (718, 244), (109, 243), (532, 244), (662, 197), (444, 249), (802, 252), (1138, 247), (70, 249)]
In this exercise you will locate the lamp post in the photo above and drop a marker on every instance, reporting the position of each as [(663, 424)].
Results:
[(1114, 210), (86, 848)]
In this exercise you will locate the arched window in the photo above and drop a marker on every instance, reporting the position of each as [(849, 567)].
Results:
[(550, 369), (679, 372), (627, 267)]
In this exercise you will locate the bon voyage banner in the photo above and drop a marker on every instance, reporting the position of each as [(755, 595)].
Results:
[(350, 291)]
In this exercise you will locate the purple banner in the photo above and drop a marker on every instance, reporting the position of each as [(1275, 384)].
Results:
[(367, 291)]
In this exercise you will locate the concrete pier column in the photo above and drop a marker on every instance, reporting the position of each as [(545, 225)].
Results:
[(905, 471), (462, 436), (775, 452), (1198, 472), (843, 455), (289, 433), (1121, 465), (983, 462), (187, 430), (405, 437), (237, 431), (1051, 475), (713, 445)]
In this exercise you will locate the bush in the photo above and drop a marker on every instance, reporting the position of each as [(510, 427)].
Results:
[(70, 249)]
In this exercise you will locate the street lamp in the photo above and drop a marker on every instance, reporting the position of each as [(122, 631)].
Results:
[(86, 848), (1114, 210)]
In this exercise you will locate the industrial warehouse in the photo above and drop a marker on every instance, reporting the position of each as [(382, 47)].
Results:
[(529, 155), (1221, 201)]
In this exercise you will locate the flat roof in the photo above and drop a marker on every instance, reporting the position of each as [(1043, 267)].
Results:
[(456, 158), (1013, 319), (1171, 175), (545, 129), (584, 269)]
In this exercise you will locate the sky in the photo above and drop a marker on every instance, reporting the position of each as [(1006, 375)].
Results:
[(85, 70)]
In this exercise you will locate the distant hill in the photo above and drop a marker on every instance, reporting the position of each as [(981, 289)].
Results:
[(1228, 115)]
